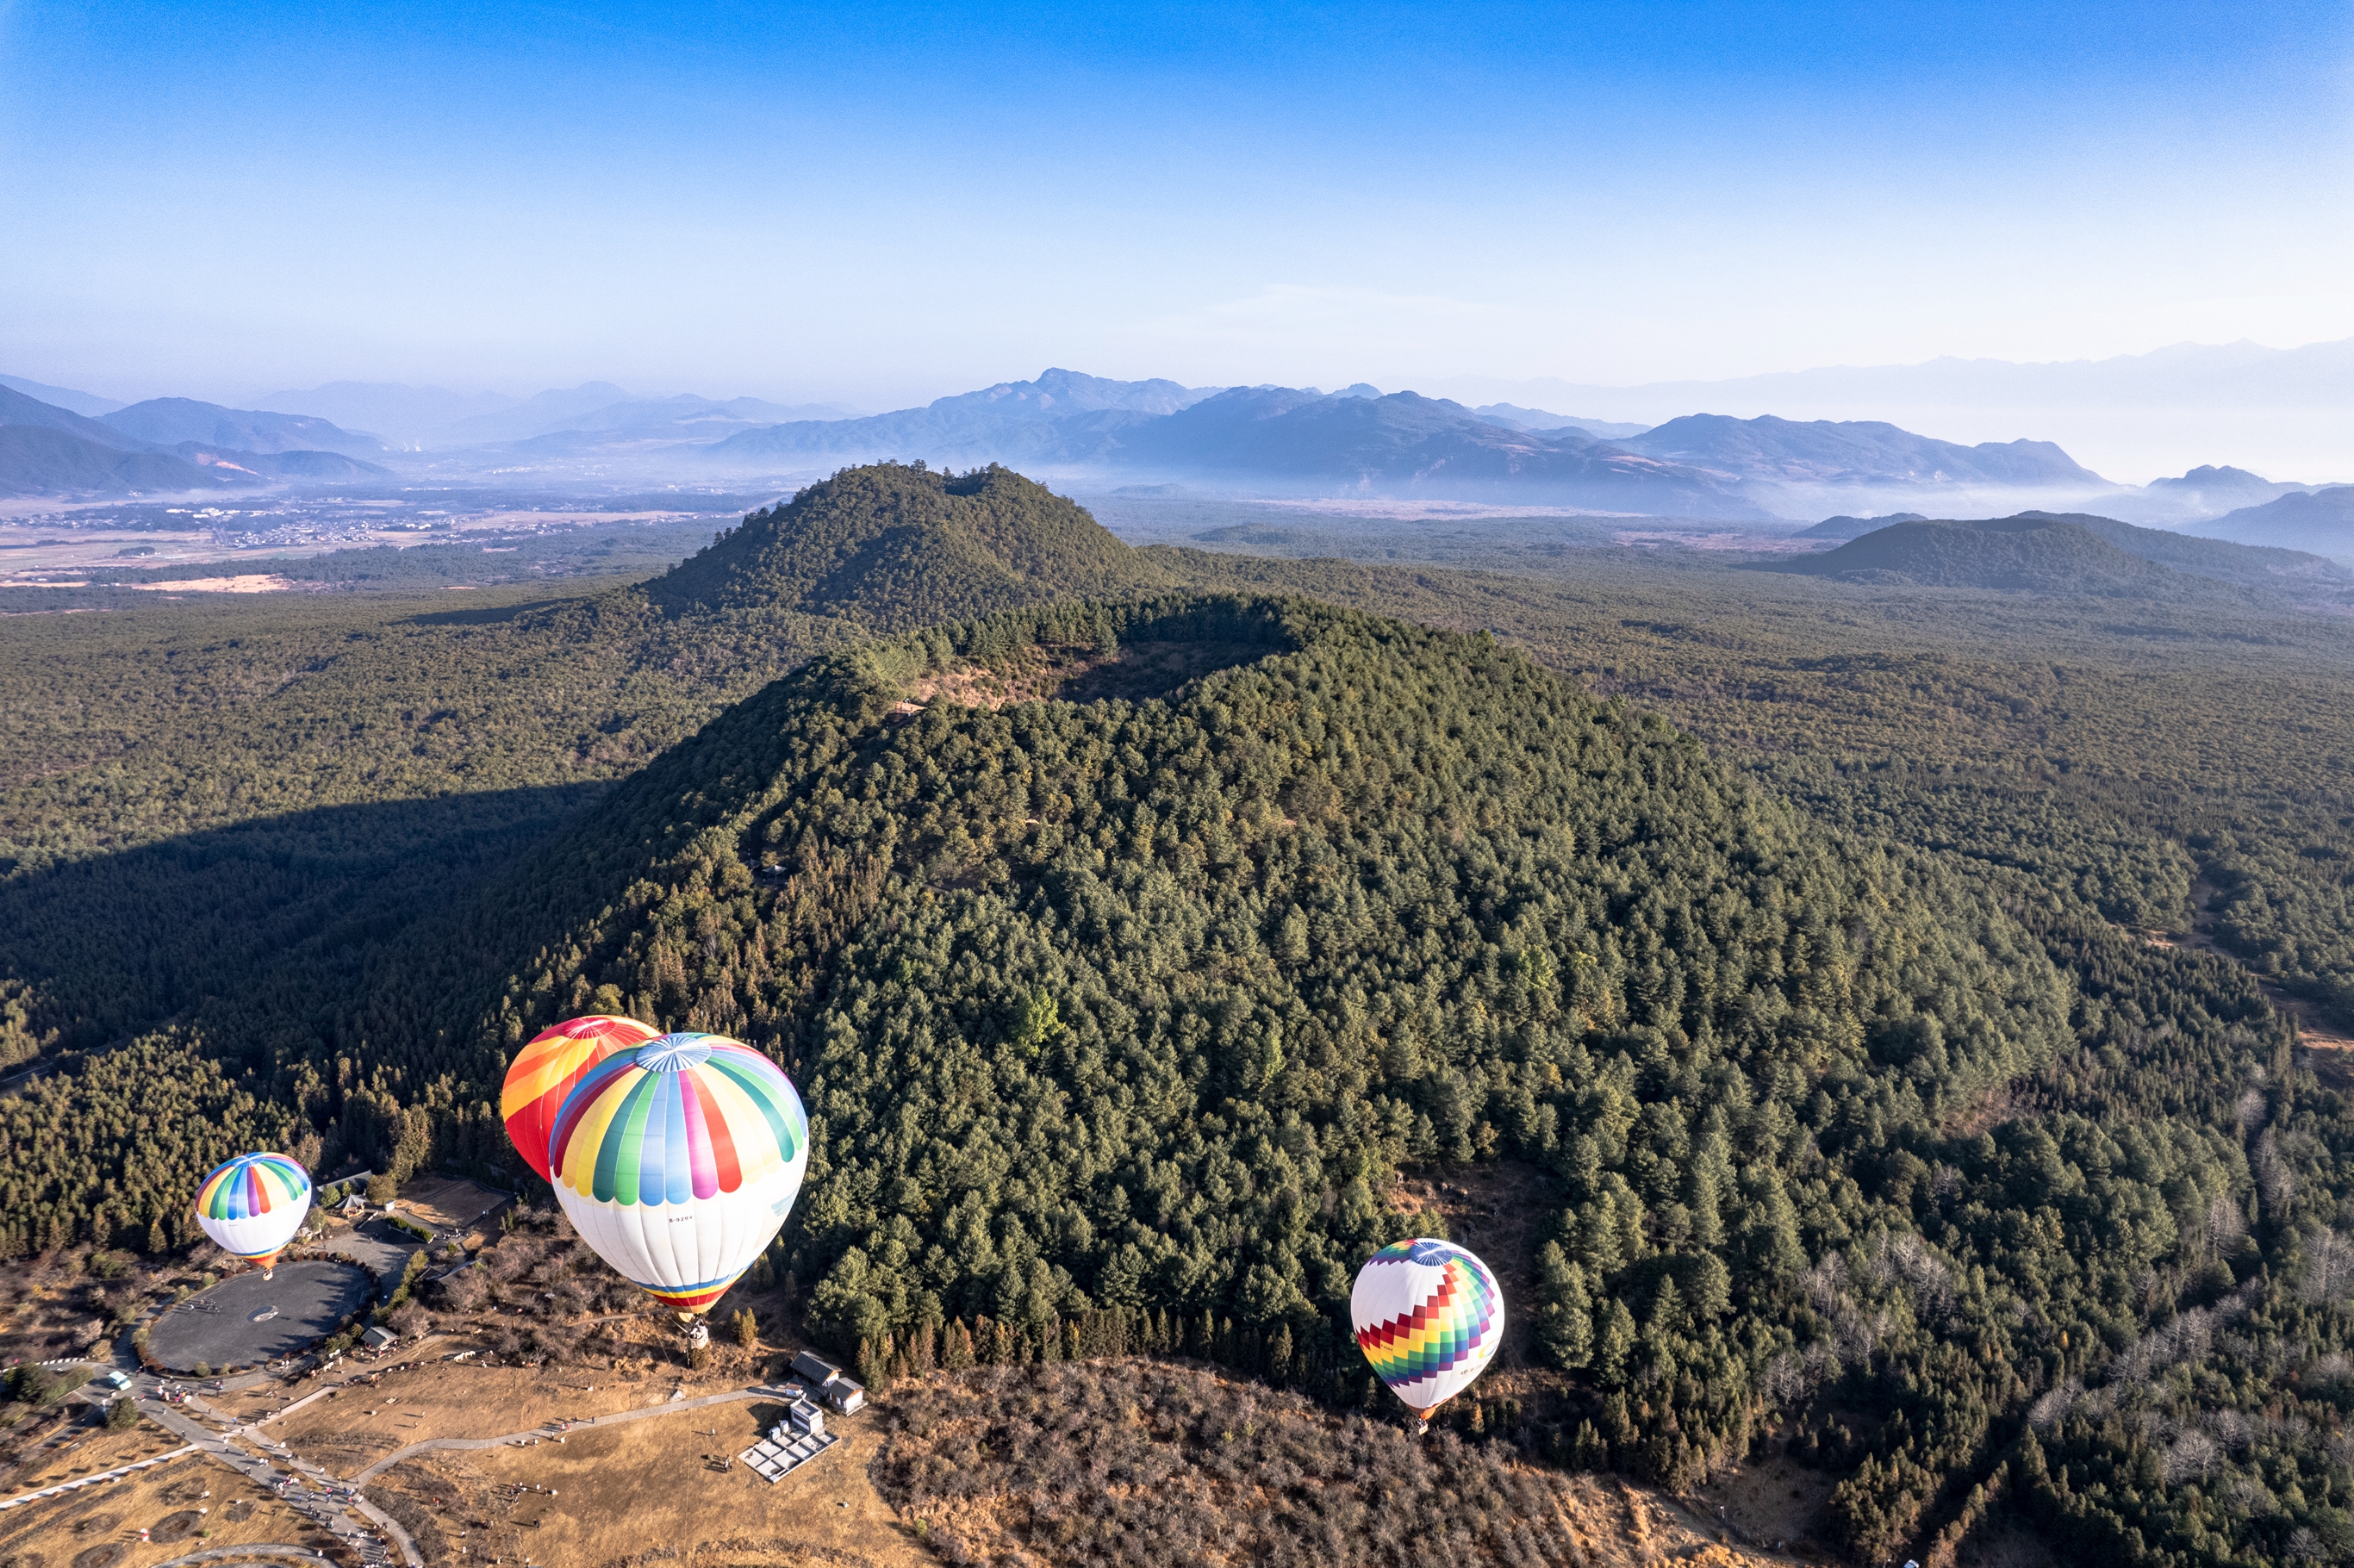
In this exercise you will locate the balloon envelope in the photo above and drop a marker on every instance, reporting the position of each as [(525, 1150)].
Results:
[(548, 1069), (1428, 1316), (677, 1161), (253, 1204)]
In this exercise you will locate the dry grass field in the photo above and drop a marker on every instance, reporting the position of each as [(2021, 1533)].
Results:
[(355, 1426), (192, 1504), (646, 1490), (44, 1452)]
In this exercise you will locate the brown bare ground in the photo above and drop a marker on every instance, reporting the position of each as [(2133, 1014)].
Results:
[(1504, 1212), (650, 1490), (358, 1425), (450, 1205), (59, 1529), (1766, 1499)]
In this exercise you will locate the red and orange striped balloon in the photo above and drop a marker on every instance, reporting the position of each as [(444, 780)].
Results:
[(547, 1068)]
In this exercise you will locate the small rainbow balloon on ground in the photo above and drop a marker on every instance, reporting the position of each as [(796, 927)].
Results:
[(548, 1069), (1428, 1317), (253, 1205), (678, 1160)]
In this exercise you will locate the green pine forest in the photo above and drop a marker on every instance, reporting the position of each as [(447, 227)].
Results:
[(1821, 961)]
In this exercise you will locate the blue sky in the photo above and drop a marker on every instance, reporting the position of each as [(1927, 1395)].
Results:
[(881, 203)]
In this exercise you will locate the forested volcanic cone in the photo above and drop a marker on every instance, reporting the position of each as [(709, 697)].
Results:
[(1127, 953), (896, 546), (2033, 552)]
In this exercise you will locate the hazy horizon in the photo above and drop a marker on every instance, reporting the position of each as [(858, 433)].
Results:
[(2145, 417), (880, 208)]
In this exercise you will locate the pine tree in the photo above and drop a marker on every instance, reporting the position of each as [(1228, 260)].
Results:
[(1565, 1310), (1617, 1342)]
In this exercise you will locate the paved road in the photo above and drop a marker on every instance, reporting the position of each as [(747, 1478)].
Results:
[(271, 1469)]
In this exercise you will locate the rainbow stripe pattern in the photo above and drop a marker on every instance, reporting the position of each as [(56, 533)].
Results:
[(549, 1067), (678, 1160), (684, 1116), (252, 1185), (1428, 1316), (253, 1205)]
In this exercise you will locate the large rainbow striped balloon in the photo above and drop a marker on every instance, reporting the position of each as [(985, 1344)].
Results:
[(678, 1161), (253, 1204), (1428, 1317), (547, 1069)]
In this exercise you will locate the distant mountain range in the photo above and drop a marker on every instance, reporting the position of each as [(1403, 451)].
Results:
[(166, 445), (87, 403), (402, 415), (1263, 441), (2320, 521), (1852, 454), (1057, 417), (1272, 440), (600, 411), (2277, 410), (1513, 415), (168, 421), (41, 460), (1282, 441)]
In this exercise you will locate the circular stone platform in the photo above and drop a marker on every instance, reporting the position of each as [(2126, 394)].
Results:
[(248, 1320)]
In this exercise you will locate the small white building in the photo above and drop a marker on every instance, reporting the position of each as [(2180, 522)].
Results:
[(379, 1338), (807, 1420)]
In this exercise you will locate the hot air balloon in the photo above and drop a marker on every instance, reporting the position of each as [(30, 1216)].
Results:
[(546, 1070), (677, 1161), (1428, 1317), (253, 1204)]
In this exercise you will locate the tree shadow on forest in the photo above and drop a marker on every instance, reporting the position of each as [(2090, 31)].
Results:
[(282, 913)]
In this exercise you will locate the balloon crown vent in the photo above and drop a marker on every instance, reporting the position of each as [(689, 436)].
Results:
[(674, 1053)]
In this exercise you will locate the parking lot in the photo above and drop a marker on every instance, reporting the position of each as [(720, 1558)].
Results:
[(249, 1320)]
